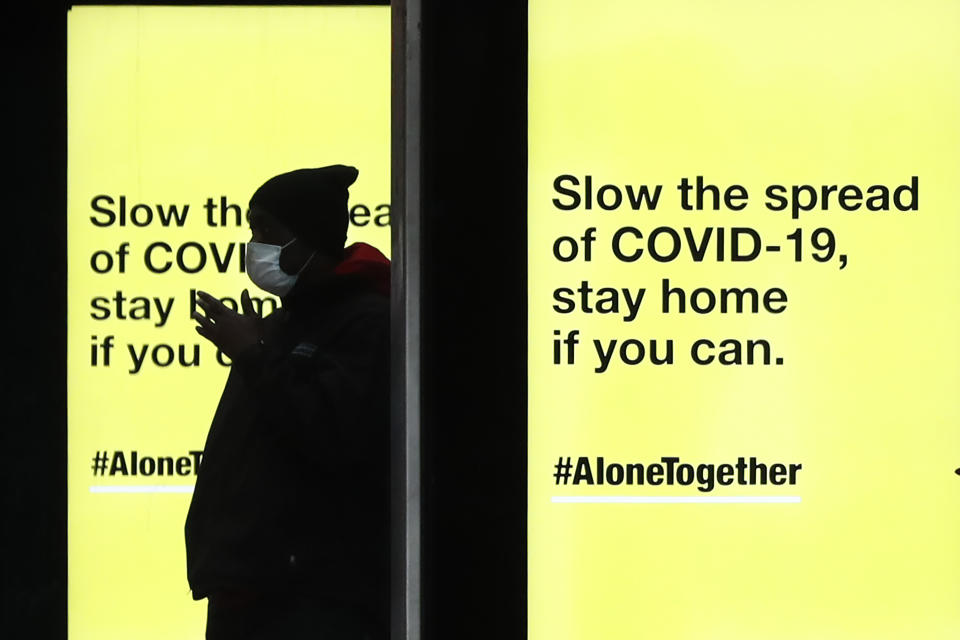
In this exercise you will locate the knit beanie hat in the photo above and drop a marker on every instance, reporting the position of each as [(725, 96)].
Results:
[(312, 203)]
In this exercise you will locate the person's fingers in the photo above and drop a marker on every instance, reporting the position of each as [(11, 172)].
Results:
[(246, 304), (209, 304), (203, 302), (206, 326)]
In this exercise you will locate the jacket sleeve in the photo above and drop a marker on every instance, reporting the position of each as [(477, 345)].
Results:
[(332, 404)]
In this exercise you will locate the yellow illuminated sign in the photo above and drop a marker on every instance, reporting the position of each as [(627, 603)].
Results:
[(175, 117), (743, 310)]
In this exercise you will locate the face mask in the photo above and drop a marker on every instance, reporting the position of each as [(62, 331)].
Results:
[(263, 266)]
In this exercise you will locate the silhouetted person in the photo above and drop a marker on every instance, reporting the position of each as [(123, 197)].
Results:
[(287, 535)]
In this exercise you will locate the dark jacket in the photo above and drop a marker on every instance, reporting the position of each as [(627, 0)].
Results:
[(293, 485)]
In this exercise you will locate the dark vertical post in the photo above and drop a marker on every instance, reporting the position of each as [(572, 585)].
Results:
[(405, 320), (472, 301)]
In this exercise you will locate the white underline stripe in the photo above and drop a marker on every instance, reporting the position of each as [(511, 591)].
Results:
[(141, 489), (674, 499)]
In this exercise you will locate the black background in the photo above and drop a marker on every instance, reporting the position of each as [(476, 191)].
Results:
[(473, 305)]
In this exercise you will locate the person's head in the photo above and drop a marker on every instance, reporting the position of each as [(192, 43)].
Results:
[(295, 253), (298, 219)]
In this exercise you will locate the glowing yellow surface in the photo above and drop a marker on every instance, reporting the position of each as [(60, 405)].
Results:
[(753, 93), (172, 106)]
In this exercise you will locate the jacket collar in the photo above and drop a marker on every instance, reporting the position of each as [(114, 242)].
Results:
[(306, 297), (363, 268)]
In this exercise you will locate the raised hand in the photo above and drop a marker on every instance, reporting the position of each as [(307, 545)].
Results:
[(230, 331)]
